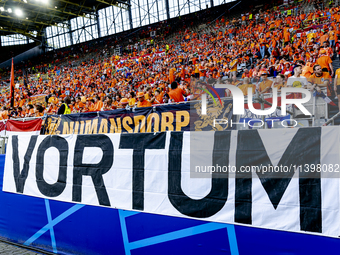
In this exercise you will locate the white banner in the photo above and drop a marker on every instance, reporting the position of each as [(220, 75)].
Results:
[(155, 173)]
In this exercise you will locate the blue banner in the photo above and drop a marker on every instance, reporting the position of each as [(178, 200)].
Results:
[(172, 117)]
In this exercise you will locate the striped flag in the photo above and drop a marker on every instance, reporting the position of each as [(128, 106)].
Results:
[(29, 127)]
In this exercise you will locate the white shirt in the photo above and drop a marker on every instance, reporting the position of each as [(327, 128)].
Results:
[(297, 82)]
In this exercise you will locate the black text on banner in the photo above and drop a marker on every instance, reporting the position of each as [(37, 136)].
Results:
[(150, 173)]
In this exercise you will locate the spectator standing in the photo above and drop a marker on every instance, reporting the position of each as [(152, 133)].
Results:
[(176, 94), (64, 108)]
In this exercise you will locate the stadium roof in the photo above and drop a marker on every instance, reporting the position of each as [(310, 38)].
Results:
[(30, 17)]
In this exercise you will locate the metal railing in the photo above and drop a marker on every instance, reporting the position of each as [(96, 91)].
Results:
[(25, 119), (331, 120)]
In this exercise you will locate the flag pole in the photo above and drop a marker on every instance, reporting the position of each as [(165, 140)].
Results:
[(12, 85)]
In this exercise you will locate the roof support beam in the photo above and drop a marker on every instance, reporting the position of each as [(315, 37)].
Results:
[(38, 11), (27, 20), (167, 9), (98, 27), (130, 15), (70, 33), (114, 3), (124, 2), (75, 4), (19, 31), (10, 26)]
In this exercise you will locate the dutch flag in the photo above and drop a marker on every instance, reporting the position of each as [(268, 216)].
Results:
[(324, 97)]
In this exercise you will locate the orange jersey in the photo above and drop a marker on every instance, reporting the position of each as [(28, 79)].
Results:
[(144, 103)]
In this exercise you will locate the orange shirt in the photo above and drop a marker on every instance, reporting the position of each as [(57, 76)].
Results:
[(52, 110), (324, 61), (319, 80), (147, 96), (265, 84), (244, 88), (92, 107), (79, 106), (39, 114), (132, 102), (307, 70), (337, 73), (202, 71), (177, 95), (98, 106), (159, 98), (31, 112), (244, 75), (144, 103), (172, 74), (286, 36), (22, 102), (279, 86), (4, 115), (323, 38)]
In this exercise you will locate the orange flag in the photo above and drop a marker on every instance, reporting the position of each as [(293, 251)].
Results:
[(12, 85)]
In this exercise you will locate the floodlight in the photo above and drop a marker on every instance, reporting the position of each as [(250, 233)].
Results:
[(18, 12), (9, 10)]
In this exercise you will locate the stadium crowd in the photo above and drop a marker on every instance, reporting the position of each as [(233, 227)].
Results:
[(159, 71)]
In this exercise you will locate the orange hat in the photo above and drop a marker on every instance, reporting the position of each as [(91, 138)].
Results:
[(140, 94), (124, 101)]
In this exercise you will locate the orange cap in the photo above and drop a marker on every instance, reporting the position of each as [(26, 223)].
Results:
[(124, 101), (140, 94)]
